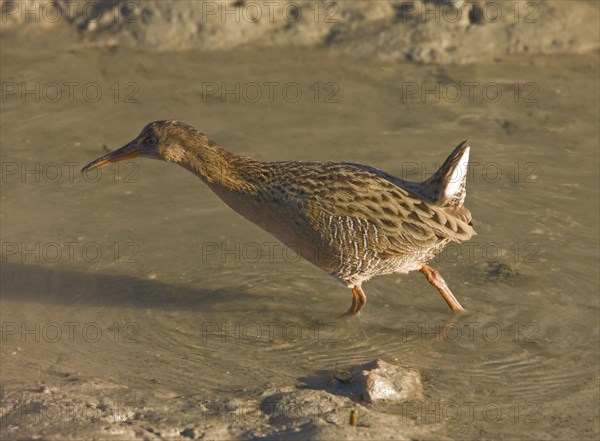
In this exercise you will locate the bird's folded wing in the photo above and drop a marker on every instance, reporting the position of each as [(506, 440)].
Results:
[(384, 218)]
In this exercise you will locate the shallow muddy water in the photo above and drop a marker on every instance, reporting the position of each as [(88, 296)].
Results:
[(141, 289)]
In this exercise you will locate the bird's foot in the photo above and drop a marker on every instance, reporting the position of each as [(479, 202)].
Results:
[(358, 301), (436, 279)]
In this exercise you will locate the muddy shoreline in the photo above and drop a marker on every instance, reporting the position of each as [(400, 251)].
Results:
[(437, 31)]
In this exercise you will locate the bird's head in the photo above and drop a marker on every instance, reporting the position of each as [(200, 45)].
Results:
[(165, 140)]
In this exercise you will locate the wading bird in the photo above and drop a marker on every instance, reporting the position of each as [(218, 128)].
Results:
[(353, 221)]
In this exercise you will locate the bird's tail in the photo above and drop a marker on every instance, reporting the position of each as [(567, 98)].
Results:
[(448, 184)]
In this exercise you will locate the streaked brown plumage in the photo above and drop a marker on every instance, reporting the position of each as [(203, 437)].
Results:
[(351, 220)]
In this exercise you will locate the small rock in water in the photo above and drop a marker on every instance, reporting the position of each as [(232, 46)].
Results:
[(343, 376), (503, 271), (379, 380), (385, 381)]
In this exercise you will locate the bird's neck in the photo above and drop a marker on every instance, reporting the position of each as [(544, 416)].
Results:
[(220, 168)]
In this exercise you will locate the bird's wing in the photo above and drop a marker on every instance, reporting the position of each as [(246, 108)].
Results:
[(380, 215)]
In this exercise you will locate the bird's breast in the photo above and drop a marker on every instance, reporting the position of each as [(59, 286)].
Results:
[(284, 219)]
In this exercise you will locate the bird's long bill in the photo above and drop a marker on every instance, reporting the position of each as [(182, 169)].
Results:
[(131, 150)]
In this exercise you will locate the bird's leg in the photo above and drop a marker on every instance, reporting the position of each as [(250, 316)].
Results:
[(436, 279), (358, 301)]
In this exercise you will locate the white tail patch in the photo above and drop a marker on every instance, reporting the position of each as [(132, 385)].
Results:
[(459, 174)]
